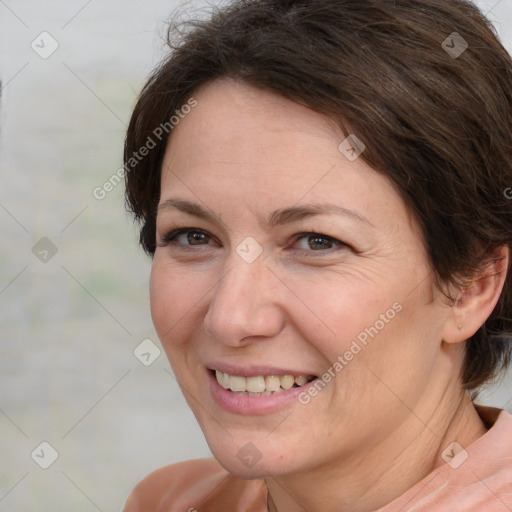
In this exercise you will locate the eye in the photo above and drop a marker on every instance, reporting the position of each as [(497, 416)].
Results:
[(187, 237), (317, 242)]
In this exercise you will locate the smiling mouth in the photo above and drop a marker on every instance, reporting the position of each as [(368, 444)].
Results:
[(260, 385)]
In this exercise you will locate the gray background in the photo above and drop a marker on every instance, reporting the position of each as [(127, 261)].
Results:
[(69, 325)]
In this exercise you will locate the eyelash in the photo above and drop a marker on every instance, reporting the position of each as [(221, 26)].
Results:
[(172, 235)]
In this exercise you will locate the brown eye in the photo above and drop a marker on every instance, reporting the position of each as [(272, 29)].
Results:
[(187, 236), (317, 242), (197, 238)]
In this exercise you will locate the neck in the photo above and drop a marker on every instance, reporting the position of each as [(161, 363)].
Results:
[(387, 473)]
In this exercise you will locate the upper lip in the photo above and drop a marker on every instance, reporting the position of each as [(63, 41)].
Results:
[(255, 370)]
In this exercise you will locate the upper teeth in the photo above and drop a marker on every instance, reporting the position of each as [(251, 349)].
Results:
[(260, 384)]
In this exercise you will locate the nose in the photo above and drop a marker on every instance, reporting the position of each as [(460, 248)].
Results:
[(245, 304)]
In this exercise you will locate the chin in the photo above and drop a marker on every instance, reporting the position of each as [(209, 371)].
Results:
[(244, 460)]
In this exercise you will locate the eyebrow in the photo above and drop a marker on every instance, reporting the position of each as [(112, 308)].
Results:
[(278, 217)]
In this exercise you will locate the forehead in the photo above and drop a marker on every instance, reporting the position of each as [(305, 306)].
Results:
[(263, 150), (238, 124)]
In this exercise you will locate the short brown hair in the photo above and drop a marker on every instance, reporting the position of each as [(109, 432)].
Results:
[(435, 116)]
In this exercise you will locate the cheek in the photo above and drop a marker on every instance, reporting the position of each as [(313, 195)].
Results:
[(158, 297), (172, 300), (334, 310), (392, 357), (359, 325)]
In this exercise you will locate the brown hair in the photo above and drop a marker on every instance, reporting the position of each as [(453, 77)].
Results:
[(438, 124)]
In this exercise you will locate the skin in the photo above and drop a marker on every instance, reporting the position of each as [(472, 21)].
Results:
[(381, 424)]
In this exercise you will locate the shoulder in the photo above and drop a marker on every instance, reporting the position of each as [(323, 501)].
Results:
[(480, 478), (494, 451), (187, 486), (498, 439), (176, 479)]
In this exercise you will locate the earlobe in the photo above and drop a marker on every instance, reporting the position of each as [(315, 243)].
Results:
[(478, 298)]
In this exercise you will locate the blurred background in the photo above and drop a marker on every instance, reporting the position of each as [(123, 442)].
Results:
[(88, 404)]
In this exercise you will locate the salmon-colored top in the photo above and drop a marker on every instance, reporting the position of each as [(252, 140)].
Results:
[(477, 480)]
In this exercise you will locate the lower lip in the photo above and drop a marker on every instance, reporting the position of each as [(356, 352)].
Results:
[(244, 404)]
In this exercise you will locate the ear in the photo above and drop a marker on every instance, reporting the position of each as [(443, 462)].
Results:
[(477, 299)]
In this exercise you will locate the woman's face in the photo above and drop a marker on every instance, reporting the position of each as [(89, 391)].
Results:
[(296, 259)]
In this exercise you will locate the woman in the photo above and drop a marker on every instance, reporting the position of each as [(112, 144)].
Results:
[(321, 185)]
